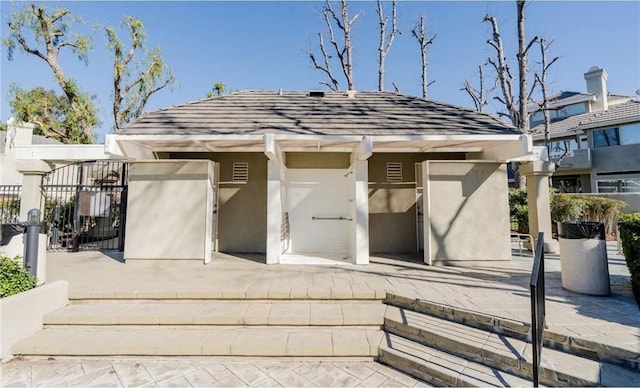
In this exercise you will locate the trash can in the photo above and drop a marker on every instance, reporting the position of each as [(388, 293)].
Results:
[(584, 264)]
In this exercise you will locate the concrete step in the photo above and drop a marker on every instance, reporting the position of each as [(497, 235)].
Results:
[(236, 341), (501, 352), (576, 345), (249, 313), (441, 368)]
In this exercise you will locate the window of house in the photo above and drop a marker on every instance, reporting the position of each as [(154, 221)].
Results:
[(606, 137), (394, 172), (630, 134), (629, 185), (562, 147), (240, 172)]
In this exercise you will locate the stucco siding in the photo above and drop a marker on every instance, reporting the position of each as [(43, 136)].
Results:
[(466, 213), (339, 160), (167, 210), (392, 205), (242, 216)]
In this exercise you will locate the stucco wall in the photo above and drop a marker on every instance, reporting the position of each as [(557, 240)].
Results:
[(392, 206), (466, 213), (338, 160), (167, 210), (242, 215), (243, 206)]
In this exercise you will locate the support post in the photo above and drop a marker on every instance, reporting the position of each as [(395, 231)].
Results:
[(274, 211), (537, 174), (32, 173), (360, 239)]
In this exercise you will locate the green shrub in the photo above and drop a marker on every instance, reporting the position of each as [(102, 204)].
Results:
[(629, 229), (13, 278), (518, 210), (576, 207), (567, 207)]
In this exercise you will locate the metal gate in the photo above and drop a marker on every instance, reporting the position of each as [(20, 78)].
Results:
[(84, 206)]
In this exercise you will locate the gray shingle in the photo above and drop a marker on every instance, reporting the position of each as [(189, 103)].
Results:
[(295, 112), (630, 110)]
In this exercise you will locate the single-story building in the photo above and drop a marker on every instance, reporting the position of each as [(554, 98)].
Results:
[(335, 175)]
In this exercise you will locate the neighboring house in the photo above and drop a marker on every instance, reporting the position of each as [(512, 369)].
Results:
[(333, 175), (15, 135), (594, 138)]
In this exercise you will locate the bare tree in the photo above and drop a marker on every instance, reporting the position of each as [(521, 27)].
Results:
[(541, 78), (516, 110), (131, 93), (385, 41), (479, 96), (53, 32), (343, 49), (419, 33)]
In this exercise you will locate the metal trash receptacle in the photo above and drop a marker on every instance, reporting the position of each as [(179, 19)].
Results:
[(584, 264)]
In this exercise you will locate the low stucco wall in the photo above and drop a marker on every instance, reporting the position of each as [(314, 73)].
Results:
[(21, 314), (466, 212), (15, 248), (167, 210)]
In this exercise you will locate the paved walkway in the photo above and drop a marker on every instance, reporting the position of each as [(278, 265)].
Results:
[(498, 288), (152, 372)]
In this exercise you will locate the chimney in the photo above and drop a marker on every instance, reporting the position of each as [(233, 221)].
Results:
[(596, 79), (351, 94)]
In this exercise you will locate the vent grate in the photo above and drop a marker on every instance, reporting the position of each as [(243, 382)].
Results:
[(240, 172), (394, 172)]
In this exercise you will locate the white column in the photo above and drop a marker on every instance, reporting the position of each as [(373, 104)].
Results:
[(360, 239), (274, 211), (538, 174), (32, 172)]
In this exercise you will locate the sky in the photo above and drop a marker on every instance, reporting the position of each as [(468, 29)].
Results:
[(264, 45)]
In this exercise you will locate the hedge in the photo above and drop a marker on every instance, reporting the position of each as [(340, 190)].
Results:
[(567, 207), (13, 278), (629, 229)]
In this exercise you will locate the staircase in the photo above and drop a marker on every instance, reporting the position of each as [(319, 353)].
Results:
[(438, 344), (453, 347), (210, 327)]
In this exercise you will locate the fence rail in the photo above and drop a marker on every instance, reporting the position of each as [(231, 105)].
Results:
[(10, 203), (536, 286)]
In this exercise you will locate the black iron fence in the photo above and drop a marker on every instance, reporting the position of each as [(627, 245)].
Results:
[(83, 205), (10, 203), (536, 286)]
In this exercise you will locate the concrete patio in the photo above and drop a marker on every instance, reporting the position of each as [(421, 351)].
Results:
[(497, 288)]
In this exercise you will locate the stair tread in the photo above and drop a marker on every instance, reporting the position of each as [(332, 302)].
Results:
[(199, 340), (219, 313), (441, 367), (501, 351)]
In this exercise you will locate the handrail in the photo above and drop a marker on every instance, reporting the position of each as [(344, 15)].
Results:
[(314, 218), (536, 286)]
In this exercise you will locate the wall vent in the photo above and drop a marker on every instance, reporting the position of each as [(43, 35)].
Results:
[(394, 172), (316, 94), (240, 172)]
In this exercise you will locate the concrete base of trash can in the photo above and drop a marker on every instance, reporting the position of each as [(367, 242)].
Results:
[(584, 266)]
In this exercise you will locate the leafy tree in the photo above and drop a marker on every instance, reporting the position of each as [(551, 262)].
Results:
[(34, 30), (49, 112), (138, 73), (217, 90)]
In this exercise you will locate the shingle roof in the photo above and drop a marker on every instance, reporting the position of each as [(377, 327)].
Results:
[(295, 112), (630, 110)]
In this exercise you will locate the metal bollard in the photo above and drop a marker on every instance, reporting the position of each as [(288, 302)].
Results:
[(31, 241)]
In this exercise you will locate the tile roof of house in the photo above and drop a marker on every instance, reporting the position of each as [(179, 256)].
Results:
[(296, 112), (630, 110), (36, 139)]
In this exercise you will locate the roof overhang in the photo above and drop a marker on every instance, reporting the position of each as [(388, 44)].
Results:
[(502, 148)]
